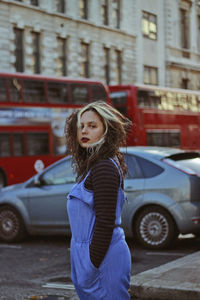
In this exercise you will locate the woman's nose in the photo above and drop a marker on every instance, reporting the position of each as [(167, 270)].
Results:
[(84, 129)]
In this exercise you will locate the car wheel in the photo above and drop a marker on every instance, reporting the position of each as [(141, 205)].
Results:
[(12, 228), (155, 228)]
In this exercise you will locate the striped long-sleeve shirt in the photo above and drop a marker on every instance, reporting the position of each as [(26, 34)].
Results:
[(104, 181)]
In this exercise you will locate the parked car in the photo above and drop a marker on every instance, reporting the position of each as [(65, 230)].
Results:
[(163, 198)]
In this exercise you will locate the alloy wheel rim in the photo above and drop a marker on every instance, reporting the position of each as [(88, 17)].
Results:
[(8, 224), (154, 228)]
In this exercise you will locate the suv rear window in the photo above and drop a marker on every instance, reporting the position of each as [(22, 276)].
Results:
[(149, 169)]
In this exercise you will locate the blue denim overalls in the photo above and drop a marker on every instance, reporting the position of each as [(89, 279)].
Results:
[(111, 280)]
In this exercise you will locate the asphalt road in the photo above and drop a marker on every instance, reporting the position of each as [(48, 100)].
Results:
[(41, 266)]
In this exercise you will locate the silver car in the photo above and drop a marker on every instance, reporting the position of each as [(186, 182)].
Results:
[(163, 198)]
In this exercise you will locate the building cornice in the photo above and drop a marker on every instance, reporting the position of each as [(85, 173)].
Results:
[(183, 66)]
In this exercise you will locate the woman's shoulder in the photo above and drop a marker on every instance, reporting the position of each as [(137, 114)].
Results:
[(105, 164)]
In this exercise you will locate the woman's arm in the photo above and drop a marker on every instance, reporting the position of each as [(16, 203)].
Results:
[(105, 183)]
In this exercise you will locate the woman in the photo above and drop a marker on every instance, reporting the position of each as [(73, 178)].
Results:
[(100, 258)]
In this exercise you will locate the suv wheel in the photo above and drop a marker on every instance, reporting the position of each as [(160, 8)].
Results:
[(155, 228), (12, 228)]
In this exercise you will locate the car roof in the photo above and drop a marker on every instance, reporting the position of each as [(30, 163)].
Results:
[(155, 152)]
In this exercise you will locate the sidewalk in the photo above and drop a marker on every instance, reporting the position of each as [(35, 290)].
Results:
[(177, 280)]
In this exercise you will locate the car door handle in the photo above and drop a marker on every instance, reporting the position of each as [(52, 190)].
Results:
[(129, 189)]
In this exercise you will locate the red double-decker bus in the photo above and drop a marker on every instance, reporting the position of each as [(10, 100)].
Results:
[(161, 116), (33, 110)]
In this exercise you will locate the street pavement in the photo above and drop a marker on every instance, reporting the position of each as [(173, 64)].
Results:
[(177, 280)]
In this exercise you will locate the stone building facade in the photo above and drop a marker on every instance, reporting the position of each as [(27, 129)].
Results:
[(115, 41)]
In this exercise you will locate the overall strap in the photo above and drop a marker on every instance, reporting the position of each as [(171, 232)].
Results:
[(119, 170)]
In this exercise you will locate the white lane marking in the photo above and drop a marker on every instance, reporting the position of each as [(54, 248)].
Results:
[(59, 286), (10, 246), (165, 254)]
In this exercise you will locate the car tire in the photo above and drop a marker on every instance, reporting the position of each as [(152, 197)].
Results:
[(155, 228), (12, 227)]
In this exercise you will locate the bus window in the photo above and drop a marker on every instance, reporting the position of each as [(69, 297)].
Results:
[(3, 92), (163, 139), (33, 91), (98, 93), (15, 89), (79, 93), (149, 99), (18, 144), (143, 98), (154, 100), (119, 101), (37, 143), (5, 145), (57, 92)]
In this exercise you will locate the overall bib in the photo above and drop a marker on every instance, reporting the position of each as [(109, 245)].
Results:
[(111, 280)]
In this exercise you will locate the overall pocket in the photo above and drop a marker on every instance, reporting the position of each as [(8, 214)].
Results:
[(84, 273)]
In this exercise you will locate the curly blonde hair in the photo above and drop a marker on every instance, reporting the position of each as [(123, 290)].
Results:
[(116, 127)]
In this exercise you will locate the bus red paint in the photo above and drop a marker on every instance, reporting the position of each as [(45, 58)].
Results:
[(33, 110), (161, 116)]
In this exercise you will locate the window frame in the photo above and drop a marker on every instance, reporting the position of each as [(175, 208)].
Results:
[(19, 49), (118, 54), (146, 18), (184, 29), (62, 56), (116, 13), (105, 12), (148, 72), (106, 51), (85, 60), (83, 9), (34, 2), (60, 6), (36, 68)]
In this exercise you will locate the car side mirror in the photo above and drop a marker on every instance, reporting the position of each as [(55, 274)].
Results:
[(37, 180)]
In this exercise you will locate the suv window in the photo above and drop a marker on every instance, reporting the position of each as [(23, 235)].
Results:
[(149, 169), (134, 170), (61, 173)]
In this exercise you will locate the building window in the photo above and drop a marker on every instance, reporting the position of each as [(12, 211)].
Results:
[(19, 50), (85, 60), (184, 83), (60, 6), (36, 52), (104, 12), (116, 13), (83, 5), (118, 71), (150, 75), (184, 28), (62, 57), (149, 25), (107, 65), (34, 2)]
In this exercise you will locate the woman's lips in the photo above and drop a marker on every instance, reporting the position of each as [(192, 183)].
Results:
[(84, 140)]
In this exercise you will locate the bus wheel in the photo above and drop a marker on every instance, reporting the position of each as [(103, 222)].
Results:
[(155, 228), (2, 179), (12, 228)]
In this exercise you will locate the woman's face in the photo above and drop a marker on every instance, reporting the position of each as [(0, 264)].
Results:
[(91, 129)]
